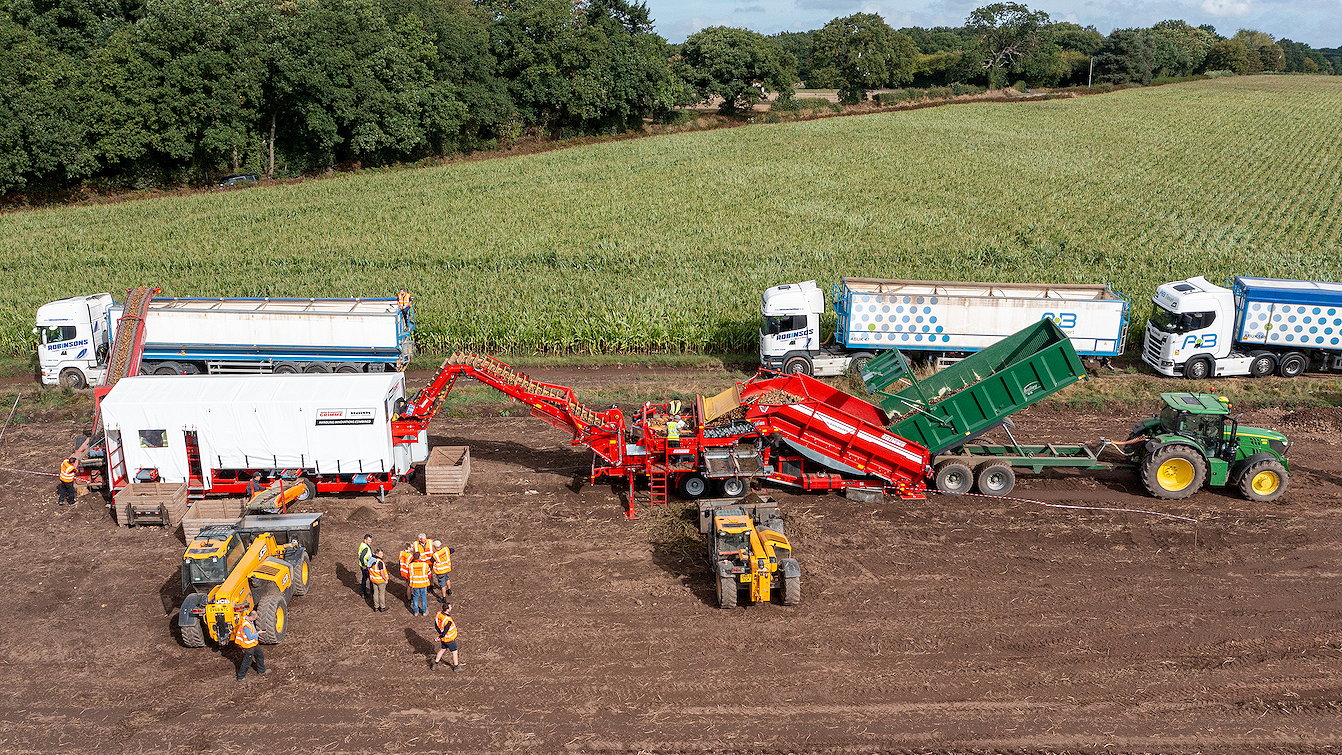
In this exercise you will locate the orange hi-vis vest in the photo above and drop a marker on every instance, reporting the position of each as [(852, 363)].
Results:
[(68, 470), (419, 574), (406, 557), (377, 572), (423, 547), (240, 637), (447, 627), (442, 560)]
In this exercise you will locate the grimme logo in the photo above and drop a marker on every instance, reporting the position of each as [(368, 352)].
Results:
[(345, 416)]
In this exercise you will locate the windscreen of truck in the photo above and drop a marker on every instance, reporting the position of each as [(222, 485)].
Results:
[(1163, 319), (58, 333), (783, 324)]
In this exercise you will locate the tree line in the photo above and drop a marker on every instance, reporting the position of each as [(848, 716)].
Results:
[(139, 93)]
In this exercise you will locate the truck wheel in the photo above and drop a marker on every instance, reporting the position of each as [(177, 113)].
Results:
[(309, 489), (285, 368), (995, 478), (1198, 369), (791, 591), (733, 487), (798, 365), (1293, 365), (272, 619), (1173, 472), (167, 368), (693, 485), (316, 368), (727, 591), (859, 363), (302, 574), (347, 368), (73, 379), (953, 477), (1262, 365), (192, 635), (1264, 481)]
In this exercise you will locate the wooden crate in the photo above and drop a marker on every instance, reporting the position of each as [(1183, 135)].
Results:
[(160, 503), (447, 470), (208, 513)]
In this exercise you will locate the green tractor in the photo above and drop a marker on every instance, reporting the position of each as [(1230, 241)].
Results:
[(1194, 441)]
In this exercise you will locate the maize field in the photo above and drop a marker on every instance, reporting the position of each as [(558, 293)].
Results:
[(665, 244)]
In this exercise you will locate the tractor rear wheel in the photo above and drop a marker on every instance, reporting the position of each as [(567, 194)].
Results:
[(272, 617), (1173, 472), (192, 635), (953, 477), (1263, 481), (995, 478), (791, 591), (302, 573), (727, 591)]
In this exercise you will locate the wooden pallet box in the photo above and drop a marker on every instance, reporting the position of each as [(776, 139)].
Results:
[(159, 503), (446, 471), (208, 513)]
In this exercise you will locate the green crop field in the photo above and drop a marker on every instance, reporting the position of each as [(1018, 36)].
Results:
[(664, 244)]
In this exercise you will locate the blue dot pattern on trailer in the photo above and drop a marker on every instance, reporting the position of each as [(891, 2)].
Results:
[(1291, 324), (894, 319)]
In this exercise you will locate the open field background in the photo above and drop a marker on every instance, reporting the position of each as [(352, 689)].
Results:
[(665, 244)]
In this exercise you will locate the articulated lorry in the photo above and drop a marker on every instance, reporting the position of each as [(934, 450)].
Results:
[(227, 336), (1258, 326), (929, 317)]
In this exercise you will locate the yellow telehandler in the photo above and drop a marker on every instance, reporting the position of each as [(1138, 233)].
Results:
[(224, 578), (747, 549)]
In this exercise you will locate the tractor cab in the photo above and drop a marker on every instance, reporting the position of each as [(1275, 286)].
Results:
[(210, 558), (1200, 417)]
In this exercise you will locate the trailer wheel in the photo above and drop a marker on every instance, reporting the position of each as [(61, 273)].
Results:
[(72, 378), (1198, 369), (1293, 365), (317, 367), (693, 485), (733, 487), (791, 591), (302, 574), (272, 619), (727, 591), (1262, 365), (167, 368), (192, 635), (953, 477), (285, 368), (1264, 481), (1173, 472), (798, 365), (309, 489), (347, 368), (995, 478)]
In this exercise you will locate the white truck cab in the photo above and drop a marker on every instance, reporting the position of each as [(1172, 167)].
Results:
[(1191, 331), (790, 337), (72, 340)]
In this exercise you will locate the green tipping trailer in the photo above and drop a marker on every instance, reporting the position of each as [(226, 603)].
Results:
[(976, 395)]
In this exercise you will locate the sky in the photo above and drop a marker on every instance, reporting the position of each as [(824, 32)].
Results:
[(1315, 22)]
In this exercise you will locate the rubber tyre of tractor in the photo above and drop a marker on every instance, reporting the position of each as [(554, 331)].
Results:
[(1262, 365), (1293, 365), (1173, 472), (1263, 481), (302, 575), (798, 365), (73, 379), (728, 591), (191, 635), (693, 486), (1198, 369), (953, 478), (272, 617), (791, 591), (994, 478), (733, 487), (309, 489)]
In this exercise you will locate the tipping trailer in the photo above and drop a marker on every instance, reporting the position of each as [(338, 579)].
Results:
[(791, 430), (934, 318), (188, 336)]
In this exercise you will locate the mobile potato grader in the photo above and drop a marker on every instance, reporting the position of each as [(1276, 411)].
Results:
[(1192, 442)]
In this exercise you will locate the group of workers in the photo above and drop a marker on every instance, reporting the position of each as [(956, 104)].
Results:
[(424, 564)]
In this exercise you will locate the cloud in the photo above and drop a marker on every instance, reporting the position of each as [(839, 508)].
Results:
[(760, 9), (1227, 7)]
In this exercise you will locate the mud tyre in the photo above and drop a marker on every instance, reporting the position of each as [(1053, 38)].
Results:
[(272, 617), (953, 478), (994, 478), (1173, 472), (728, 592), (302, 580), (1264, 481), (791, 591), (191, 635)]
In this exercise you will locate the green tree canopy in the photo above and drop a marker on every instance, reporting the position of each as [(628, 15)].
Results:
[(865, 54), (1006, 36), (737, 65)]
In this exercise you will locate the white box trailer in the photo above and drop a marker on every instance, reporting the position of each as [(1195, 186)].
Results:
[(215, 431), (933, 317)]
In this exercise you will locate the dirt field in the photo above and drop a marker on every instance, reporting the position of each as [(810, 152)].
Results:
[(954, 624)]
